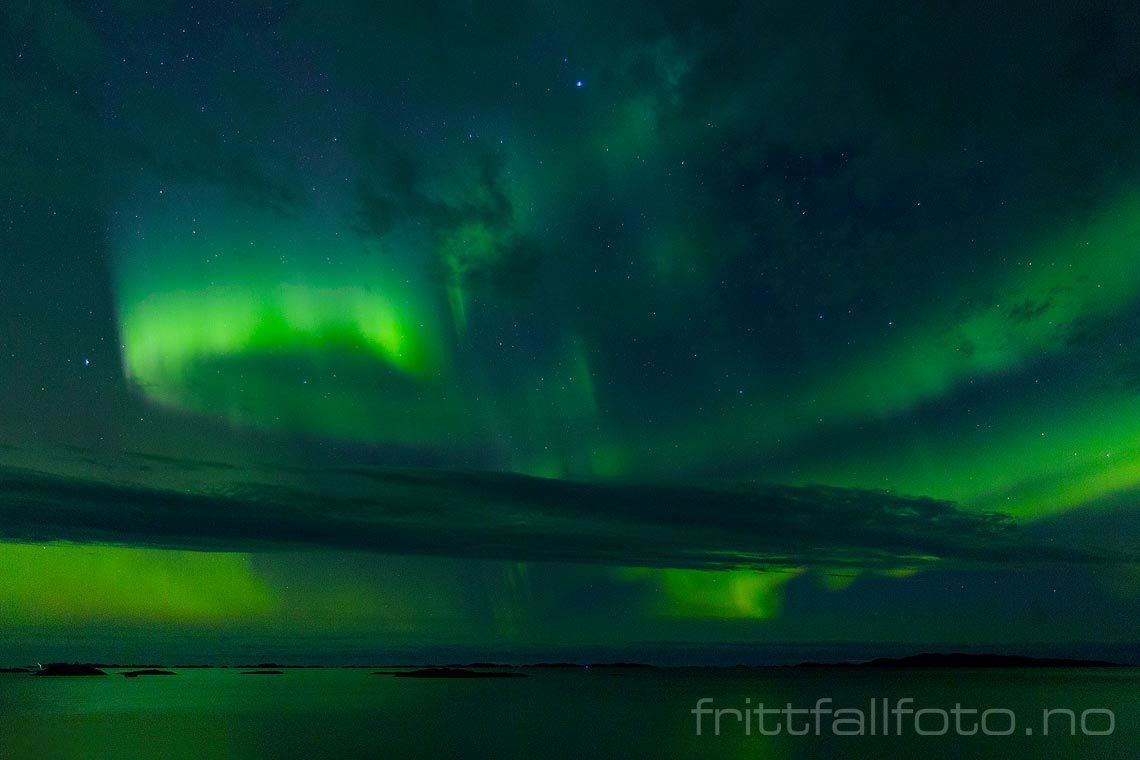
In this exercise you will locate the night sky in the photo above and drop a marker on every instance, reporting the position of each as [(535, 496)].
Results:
[(344, 330)]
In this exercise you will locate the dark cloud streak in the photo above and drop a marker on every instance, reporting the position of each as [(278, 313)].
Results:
[(503, 516)]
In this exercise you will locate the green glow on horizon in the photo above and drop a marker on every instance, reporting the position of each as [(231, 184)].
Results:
[(68, 583), (721, 594)]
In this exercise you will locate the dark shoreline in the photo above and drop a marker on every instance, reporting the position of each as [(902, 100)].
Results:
[(927, 660)]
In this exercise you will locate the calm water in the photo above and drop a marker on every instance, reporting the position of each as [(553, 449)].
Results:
[(554, 713)]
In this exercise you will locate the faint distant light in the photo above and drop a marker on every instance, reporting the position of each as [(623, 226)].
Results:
[(86, 362), (578, 83)]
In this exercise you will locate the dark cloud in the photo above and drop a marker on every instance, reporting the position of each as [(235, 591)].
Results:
[(186, 465), (473, 231), (1109, 522), (504, 516)]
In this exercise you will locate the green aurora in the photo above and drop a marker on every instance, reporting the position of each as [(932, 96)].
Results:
[(653, 328)]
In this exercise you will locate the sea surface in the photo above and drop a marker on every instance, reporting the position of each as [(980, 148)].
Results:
[(588, 713)]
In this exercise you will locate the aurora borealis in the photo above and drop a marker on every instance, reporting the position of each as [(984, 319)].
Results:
[(335, 331)]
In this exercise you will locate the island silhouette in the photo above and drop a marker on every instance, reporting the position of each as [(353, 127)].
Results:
[(148, 672), (69, 669), (449, 673), (964, 660), (927, 660)]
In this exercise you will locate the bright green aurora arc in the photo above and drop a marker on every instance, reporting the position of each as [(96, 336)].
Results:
[(651, 330)]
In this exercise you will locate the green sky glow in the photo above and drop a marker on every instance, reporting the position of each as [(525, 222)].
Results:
[(611, 324)]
